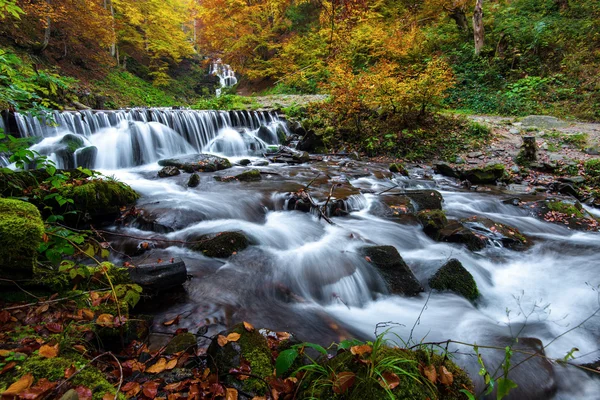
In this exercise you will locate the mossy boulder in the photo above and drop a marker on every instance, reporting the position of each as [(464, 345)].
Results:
[(250, 349), (488, 174), (100, 198), (168, 171), (455, 278), (433, 222), (183, 342), (510, 237), (398, 168), (397, 274), (21, 230), (412, 383), (426, 199), (222, 245), (194, 180), (197, 163), (562, 212), (455, 232), (252, 175)]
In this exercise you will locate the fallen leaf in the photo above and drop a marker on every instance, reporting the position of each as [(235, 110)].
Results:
[(108, 396), (105, 320), (175, 387), (8, 367), (54, 327), (446, 377), (389, 380), (80, 348), (171, 364), (48, 351), (343, 381), (173, 321), (70, 371), (19, 386), (88, 315), (283, 335), (131, 389), (150, 389), (233, 337), (159, 367), (42, 387), (4, 353), (248, 326), (231, 394), (360, 350), (429, 373), (222, 340)]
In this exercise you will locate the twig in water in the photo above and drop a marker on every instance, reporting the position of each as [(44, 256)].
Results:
[(418, 320)]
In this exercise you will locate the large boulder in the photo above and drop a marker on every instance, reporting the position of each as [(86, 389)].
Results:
[(454, 277), (488, 174), (86, 157), (21, 230), (397, 274), (222, 245), (252, 175), (433, 222), (508, 236), (425, 199), (162, 276), (197, 163), (455, 232), (311, 142)]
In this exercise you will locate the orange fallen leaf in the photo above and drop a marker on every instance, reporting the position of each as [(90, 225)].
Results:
[(222, 340), (233, 337), (231, 394), (105, 320), (4, 353), (389, 380), (159, 367), (430, 373), (446, 377), (248, 326), (283, 335), (360, 350), (48, 351), (87, 314), (171, 364), (173, 321), (343, 381), (19, 386), (70, 371)]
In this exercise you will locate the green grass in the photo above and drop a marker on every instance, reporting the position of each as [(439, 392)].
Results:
[(227, 102), (124, 89)]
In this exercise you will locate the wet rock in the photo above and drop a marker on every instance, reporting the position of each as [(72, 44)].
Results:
[(455, 232), (168, 171), (433, 222), (261, 163), (252, 175), (71, 394), (398, 168), (566, 213), (510, 237), (162, 276), (265, 134), (66, 148), (197, 163), (425, 199), (398, 276), (488, 174), (244, 162), (194, 180), (311, 142), (454, 277), (250, 349), (221, 245), (86, 157), (447, 170), (354, 156), (185, 342), (21, 230)]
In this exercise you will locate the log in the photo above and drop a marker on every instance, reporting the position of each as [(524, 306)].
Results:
[(158, 277)]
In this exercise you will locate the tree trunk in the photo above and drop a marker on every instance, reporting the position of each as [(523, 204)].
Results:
[(459, 16), (47, 32), (478, 27)]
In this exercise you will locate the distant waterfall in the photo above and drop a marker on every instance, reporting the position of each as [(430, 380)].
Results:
[(225, 73), (126, 138)]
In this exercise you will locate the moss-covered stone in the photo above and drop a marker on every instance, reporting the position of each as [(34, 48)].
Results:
[(197, 163), (508, 236), (433, 222), (251, 348), (398, 168), (454, 277), (412, 384), (426, 199), (592, 167), (221, 245), (183, 342), (100, 197), (21, 230), (252, 175), (194, 180), (487, 174)]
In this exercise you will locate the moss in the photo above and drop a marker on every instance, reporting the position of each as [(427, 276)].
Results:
[(100, 196), (398, 168), (182, 342), (454, 277), (565, 208), (412, 384), (433, 222), (53, 369), (488, 174), (249, 176), (592, 167), (21, 230), (222, 245)]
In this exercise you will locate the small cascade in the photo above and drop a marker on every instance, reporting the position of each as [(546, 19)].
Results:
[(127, 138), (225, 73)]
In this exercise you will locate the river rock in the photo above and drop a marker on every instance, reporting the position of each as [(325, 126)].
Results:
[(478, 175), (244, 162), (194, 180), (398, 168), (250, 348), (510, 237), (197, 163), (66, 147), (433, 222), (454, 277), (311, 142), (265, 134), (168, 171), (158, 277), (543, 122), (398, 276), (21, 230), (252, 175), (425, 199), (186, 342), (86, 157), (566, 213), (455, 232), (221, 245)]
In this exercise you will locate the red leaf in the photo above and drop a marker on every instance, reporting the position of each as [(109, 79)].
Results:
[(389, 380), (54, 327), (343, 381), (84, 393), (150, 389)]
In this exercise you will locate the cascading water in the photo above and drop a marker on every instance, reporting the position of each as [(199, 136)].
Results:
[(225, 73), (127, 138)]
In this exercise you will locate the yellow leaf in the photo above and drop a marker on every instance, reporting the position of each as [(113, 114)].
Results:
[(105, 320), (222, 340), (159, 367), (360, 350), (171, 364), (4, 353), (233, 337), (48, 351), (19, 386), (248, 326), (231, 394), (446, 377), (87, 314)]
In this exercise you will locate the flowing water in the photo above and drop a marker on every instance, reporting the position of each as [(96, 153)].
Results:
[(304, 275), (225, 74)]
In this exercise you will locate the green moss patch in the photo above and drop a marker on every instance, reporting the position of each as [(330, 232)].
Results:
[(454, 277)]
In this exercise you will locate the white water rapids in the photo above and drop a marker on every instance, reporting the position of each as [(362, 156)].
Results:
[(306, 276)]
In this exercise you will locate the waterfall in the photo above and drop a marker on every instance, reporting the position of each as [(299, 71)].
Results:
[(225, 74), (126, 138)]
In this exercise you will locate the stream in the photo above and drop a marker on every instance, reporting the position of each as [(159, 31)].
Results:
[(304, 275)]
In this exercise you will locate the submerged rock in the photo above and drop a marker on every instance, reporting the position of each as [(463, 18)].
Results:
[(425, 199), (395, 271), (508, 236), (168, 171), (21, 230), (194, 180), (454, 277), (398, 168), (161, 276), (221, 245), (433, 222), (197, 163)]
